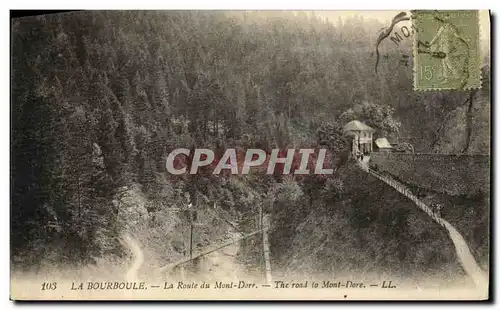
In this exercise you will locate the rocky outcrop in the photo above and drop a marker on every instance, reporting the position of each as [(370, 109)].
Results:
[(467, 128), (131, 205)]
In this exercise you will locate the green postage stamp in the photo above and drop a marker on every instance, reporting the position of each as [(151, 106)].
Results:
[(446, 50)]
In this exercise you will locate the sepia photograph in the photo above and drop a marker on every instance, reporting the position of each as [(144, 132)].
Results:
[(250, 155)]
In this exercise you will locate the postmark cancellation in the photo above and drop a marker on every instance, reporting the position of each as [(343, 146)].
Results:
[(446, 50)]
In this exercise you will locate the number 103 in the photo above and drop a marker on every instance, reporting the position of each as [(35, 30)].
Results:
[(49, 286)]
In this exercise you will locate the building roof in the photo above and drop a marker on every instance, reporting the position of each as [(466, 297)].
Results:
[(382, 143), (357, 126)]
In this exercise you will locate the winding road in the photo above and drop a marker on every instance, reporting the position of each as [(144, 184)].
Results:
[(461, 248), (468, 262), (226, 259), (221, 260), (137, 254)]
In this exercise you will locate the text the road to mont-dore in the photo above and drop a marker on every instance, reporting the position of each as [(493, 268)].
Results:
[(186, 285)]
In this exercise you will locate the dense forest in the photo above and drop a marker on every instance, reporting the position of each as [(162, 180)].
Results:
[(99, 99)]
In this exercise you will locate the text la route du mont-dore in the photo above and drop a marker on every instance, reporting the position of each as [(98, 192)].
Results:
[(180, 285)]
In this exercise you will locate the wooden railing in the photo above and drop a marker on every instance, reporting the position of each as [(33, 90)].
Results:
[(406, 192)]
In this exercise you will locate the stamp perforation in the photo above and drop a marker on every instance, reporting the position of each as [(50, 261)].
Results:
[(471, 82)]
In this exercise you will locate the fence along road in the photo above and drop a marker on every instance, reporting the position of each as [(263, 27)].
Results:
[(462, 249)]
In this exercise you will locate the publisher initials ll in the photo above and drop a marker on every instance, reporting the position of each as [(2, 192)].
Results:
[(387, 284)]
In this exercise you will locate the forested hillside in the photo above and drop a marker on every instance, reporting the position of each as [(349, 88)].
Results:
[(100, 98)]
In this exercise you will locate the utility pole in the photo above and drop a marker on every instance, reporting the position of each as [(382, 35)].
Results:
[(191, 235), (261, 214), (192, 214), (191, 220), (265, 244)]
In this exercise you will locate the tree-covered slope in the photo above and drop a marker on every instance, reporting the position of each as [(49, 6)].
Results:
[(100, 98)]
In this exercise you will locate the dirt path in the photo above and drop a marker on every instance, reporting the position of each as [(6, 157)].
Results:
[(138, 256)]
